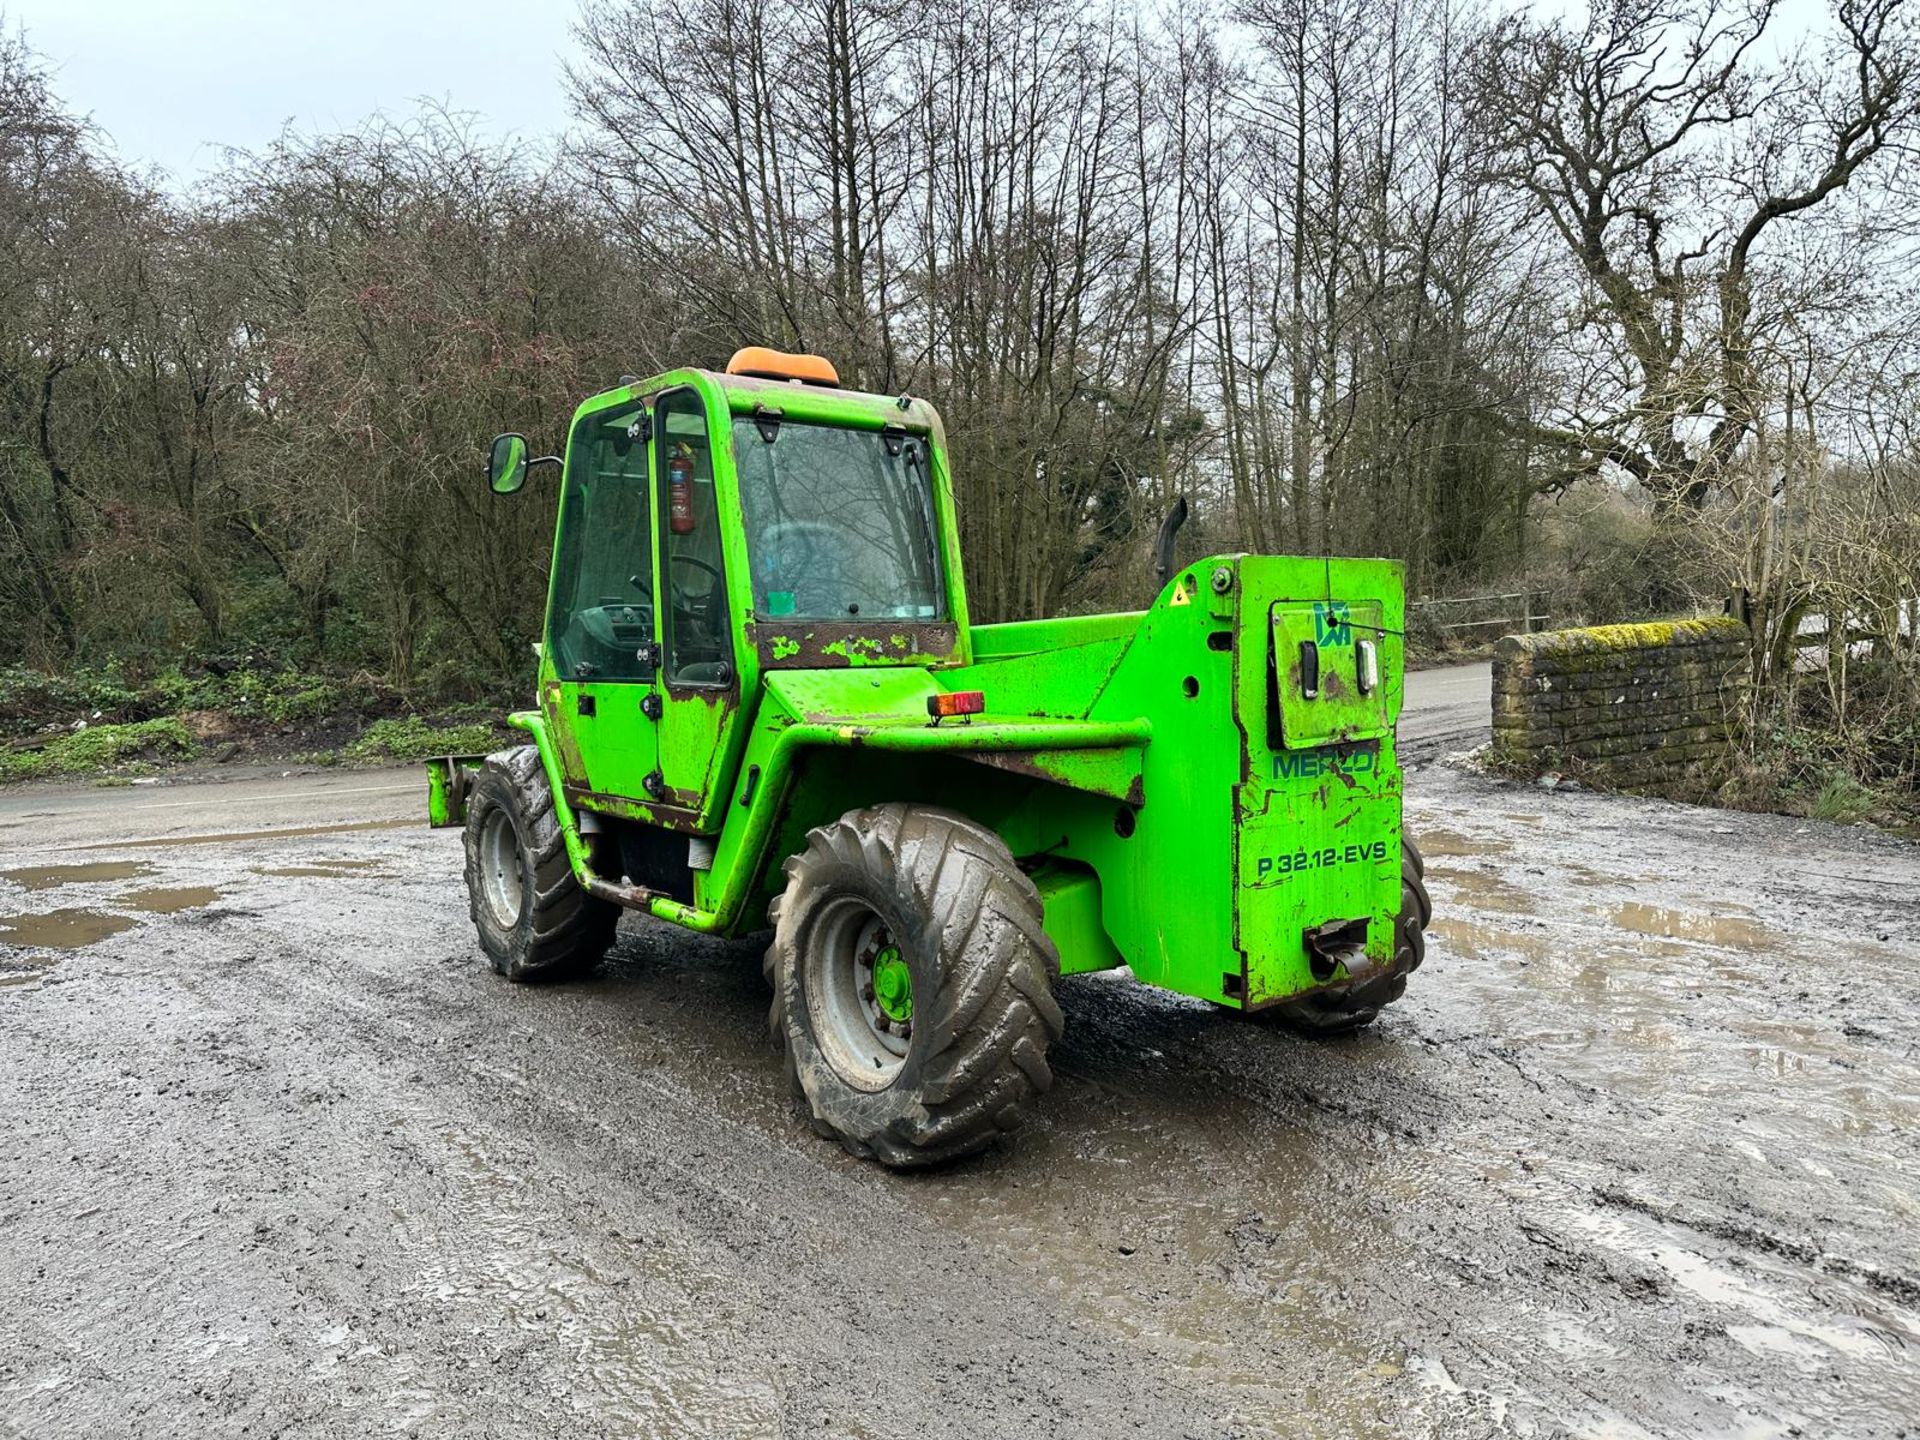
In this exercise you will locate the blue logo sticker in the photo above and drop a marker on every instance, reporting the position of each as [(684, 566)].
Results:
[(1332, 624)]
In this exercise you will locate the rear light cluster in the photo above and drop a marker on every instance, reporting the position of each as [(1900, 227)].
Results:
[(949, 703), (1369, 662)]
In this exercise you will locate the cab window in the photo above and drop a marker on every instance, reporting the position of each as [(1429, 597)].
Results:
[(839, 522), (603, 574), (699, 647)]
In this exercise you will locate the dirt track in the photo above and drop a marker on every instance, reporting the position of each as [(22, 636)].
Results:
[(1637, 1155)]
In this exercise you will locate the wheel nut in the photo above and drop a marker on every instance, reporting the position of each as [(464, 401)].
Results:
[(886, 1025), (866, 992)]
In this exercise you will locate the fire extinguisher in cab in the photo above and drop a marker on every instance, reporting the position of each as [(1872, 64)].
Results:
[(680, 492)]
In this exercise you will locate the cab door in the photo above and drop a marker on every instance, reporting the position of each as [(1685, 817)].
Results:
[(601, 619), (699, 683)]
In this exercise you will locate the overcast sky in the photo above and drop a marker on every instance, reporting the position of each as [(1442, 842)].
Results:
[(172, 81)]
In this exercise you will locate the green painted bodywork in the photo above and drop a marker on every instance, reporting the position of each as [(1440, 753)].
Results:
[(448, 777), (1070, 901), (1183, 806)]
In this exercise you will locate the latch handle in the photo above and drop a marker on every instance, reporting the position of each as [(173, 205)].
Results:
[(1309, 669)]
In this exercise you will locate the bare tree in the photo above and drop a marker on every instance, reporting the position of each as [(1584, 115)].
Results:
[(1664, 153)]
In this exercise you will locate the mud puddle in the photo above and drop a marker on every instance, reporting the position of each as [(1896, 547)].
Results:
[(1450, 844), (234, 837), (49, 877), (1483, 942), (327, 870), (1589, 877), (1728, 930), (168, 901), (1483, 891), (1216, 1230), (66, 929)]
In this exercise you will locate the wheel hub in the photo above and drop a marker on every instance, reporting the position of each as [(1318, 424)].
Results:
[(860, 992), (892, 985)]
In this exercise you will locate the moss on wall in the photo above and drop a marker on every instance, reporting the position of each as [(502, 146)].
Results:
[(1655, 707)]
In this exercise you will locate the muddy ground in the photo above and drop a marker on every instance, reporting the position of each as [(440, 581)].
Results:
[(1636, 1156)]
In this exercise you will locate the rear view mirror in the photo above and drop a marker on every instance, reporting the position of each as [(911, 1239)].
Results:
[(507, 464)]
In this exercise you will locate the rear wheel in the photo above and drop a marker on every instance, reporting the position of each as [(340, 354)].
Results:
[(912, 984), (533, 919), (1329, 1012)]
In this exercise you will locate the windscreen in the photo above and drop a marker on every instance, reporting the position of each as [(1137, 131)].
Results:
[(839, 522)]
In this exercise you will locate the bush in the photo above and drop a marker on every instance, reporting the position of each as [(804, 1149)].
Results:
[(413, 739), (99, 747), (290, 703), (1803, 759), (30, 698), (281, 697)]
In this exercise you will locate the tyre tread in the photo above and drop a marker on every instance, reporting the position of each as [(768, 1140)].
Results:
[(569, 930), (993, 1016)]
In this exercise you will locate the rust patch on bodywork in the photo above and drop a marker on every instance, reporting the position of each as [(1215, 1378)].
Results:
[(1111, 772), (836, 646), (688, 800), (668, 816), (565, 742)]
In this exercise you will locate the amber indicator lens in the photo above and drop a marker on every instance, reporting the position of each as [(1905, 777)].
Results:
[(958, 702)]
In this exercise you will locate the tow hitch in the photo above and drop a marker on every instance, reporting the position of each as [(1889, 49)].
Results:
[(1337, 943)]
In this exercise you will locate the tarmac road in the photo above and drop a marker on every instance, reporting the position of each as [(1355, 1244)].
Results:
[(1447, 709), (1635, 1156)]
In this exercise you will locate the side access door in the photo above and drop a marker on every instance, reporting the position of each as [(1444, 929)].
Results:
[(699, 682), (600, 613)]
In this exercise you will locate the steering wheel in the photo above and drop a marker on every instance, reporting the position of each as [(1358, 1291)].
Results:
[(697, 608), (678, 559)]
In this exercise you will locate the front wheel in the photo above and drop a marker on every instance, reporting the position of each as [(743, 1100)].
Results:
[(1329, 1012), (912, 984), (533, 919)]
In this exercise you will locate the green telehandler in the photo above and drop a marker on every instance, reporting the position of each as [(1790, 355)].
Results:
[(760, 702)]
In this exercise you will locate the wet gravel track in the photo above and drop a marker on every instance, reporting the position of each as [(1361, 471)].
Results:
[(1636, 1156)]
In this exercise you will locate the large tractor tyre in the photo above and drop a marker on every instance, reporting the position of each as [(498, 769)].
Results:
[(1330, 1012), (912, 984), (534, 920)]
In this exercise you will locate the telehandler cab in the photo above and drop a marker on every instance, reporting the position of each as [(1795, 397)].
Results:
[(760, 702)]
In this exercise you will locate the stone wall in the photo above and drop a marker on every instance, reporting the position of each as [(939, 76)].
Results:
[(1633, 707)]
